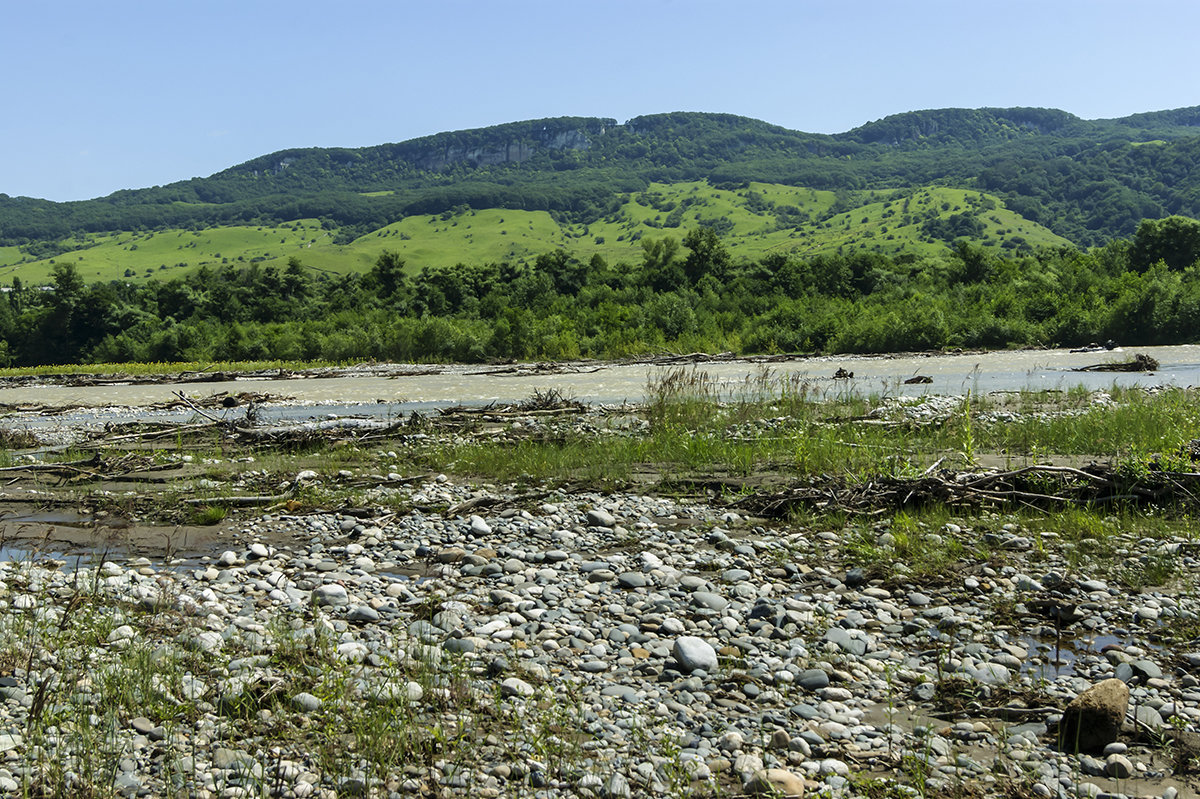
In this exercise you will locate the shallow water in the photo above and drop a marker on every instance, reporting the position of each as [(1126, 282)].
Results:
[(391, 397)]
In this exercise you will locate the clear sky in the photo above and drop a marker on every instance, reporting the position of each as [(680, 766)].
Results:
[(100, 96)]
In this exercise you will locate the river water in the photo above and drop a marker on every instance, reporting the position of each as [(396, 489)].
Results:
[(438, 387)]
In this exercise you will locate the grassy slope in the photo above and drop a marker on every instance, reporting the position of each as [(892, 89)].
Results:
[(169, 253), (883, 221)]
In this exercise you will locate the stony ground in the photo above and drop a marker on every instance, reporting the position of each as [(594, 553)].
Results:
[(487, 643)]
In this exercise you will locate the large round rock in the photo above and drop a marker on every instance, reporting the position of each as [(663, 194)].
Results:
[(1093, 719), (775, 782), (692, 653)]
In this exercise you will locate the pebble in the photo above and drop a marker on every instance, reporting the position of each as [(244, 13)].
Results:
[(692, 653), (1118, 767), (515, 686), (306, 702)]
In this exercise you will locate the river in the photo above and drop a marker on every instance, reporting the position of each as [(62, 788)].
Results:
[(439, 387)]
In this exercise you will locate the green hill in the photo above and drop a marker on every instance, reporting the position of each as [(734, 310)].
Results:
[(753, 222), (592, 185)]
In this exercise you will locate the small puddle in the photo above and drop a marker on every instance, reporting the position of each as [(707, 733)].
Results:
[(1049, 659), (68, 518)]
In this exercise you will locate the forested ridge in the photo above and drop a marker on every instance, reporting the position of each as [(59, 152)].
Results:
[(1087, 180)]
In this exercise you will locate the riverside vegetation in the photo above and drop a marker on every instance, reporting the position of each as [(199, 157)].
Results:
[(681, 296), (552, 599)]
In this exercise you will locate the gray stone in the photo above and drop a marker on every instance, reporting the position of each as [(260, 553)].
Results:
[(923, 692), (692, 653), (598, 517), (625, 692), (232, 758), (127, 784), (11, 741), (854, 642), (1148, 718), (306, 702), (330, 594), (813, 679), (707, 599), (459, 646), (992, 674), (363, 613), (1146, 669), (1118, 767), (617, 787), (632, 580), (515, 686)]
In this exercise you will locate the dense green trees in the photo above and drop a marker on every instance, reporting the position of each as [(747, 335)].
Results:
[(1175, 241), (680, 297)]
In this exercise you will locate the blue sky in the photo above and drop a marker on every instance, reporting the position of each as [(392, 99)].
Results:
[(122, 94)]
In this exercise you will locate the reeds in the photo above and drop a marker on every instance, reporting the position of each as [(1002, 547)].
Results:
[(796, 429)]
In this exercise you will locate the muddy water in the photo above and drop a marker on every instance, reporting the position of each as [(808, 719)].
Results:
[(440, 387)]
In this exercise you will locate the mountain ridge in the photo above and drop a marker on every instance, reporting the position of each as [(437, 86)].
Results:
[(1088, 180)]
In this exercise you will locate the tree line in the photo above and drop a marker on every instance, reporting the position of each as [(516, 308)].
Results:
[(682, 295)]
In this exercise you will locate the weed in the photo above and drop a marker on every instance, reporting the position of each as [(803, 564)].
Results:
[(208, 515)]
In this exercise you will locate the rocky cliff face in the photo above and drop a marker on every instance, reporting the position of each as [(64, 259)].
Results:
[(508, 152)]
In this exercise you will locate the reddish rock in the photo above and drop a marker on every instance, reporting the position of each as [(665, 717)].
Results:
[(775, 782), (1093, 719)]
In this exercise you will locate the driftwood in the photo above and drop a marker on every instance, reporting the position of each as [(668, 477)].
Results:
[(551, 402), (1140, 363), (130, 467), (527, 369), (1034, 486)]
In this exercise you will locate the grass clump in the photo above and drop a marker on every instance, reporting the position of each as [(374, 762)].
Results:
[(208, 515), (777, 428)]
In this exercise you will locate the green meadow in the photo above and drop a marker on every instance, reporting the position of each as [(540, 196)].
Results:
[(753, 222)]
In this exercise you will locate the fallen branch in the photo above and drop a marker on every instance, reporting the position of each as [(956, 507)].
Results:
[(1140, 363), (239, 502)]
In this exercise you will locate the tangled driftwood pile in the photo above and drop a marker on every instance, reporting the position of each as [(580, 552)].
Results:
[(1140, 363), (1035, 486)]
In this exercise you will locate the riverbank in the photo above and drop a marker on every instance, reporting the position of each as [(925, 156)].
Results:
[(552, 598), (593, 645)]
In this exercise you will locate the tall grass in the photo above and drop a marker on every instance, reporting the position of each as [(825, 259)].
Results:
[(1134, 422), (697, 424)]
